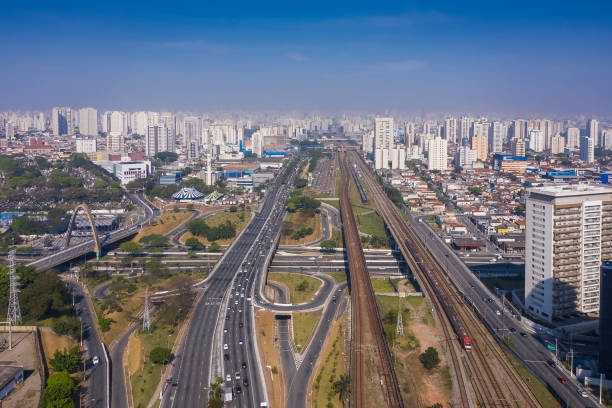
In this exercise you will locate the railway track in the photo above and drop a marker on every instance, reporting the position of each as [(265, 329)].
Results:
[(486, 359), (374, 383)]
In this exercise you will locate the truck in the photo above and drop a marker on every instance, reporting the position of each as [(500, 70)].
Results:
[(228, 394)]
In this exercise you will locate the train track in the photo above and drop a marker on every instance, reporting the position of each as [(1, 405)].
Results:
[(486, 359), (374, 383)]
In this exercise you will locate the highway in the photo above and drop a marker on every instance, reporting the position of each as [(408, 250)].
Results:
[(528, 348), (195, 365)]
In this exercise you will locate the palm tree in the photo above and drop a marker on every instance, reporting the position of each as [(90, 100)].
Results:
[(342, 387)]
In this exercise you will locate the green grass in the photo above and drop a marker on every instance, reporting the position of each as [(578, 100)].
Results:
[(371, 224), (301, 287), (337, 236), (333, 202), (303, 325), (538, 389), (145, 381), (389, 306), (338, 276), (332, 367), (382, 285), (338, 181)]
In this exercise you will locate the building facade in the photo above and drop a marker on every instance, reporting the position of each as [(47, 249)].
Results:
[(437, 156), (383, 133)]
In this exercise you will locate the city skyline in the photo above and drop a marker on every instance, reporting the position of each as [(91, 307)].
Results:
[(536, 60)]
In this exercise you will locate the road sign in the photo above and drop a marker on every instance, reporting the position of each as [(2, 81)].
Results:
[(551, 347)]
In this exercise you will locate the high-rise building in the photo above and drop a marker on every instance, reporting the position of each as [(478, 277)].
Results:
[(257, 142), (39, 121), (573, 138), (409, 133), (519, 129), (587, 149), (383, 133), (558, 144), (139, 122), (606, 139), (61, 121), (450, 129), (480, 145), (465, 128), (566, 240), (159, 138), (192, 134), (114, 142), (88, 121), (547, 128), (86, 145), (496, 137), (367, 141), (593, 130), (465, 157), (115, 121), (605, 320), (437, 157), (518, 147), (536, 140)]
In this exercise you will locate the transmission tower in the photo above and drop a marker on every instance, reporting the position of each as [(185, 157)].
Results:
[(146, 316), (399, 328), (14, 312)]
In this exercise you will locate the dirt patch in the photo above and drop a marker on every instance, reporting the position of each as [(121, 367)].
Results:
[(134, 354), (53, 342), (270, 359)]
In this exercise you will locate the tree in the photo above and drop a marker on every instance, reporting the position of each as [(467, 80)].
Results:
[(194, 243), (160, 355), (329, 245), (214, 247), (67, 360), (166, 157), (430, 358), (233, 208), (59, 391), (342, 387), (475, 190), (155, 240), (436, 405), (69, 325), (130, 247), (24, 225)]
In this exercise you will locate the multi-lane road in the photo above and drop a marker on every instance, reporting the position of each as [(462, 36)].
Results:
[(196, 363)]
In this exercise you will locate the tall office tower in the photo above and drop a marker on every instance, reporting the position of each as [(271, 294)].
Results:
[(367, 141), (573, 138), (61, 121), (518, 129), (465, 156), (450, 129), (437, 157), (465, 128), (480, 145), (565, 225), (587, 149), (383, 133), (139, 122), (192, 131), (409, 132), (114, 142), (518, 147), (558, 145), (86, 145), (605, 320), (593, 130), (257, 143), (159, 138), (536, 140), (39, 121), (496, 137), (88, 121)]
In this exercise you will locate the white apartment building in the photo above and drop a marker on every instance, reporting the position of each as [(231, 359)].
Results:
[(465, 156), (450, 129), (568, 231), (592, 129), (86, 146), (537, 142), (573, 138), (62, 121), (192, 131), (367, 142), (465, 127), (383, 133), (88, 121), (497, 132), (159, 138), (587, 149), (409, 133), (558, 144), (437, 154), (139, 122), (114, 142)]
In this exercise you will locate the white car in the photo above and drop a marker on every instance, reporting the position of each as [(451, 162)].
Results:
[(582, 393), (95, 360), (497, 312), (228, 377), (225, 347)]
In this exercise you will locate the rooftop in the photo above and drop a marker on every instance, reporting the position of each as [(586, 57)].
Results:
[(567, 190)]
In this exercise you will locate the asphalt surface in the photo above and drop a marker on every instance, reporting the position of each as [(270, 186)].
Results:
[(197, 358), (316, 302), (529, 348), (119, 394), (96, 373)]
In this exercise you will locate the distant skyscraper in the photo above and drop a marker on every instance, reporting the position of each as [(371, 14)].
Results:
[(606, 139), (257, 142), (450, 129), (9, 130), (39, 121), (518, 147), (593, 131), (116, 122), (437, 154), (573, 138), (88, 121), (383, 133), (536, 140), (367, 141), (480, 145), (518, 129), (496, 137), (587, 149), (409, 133), (61, 121), (139, 123), (159, 138), (558, 144), (465, 127), (192, 134)]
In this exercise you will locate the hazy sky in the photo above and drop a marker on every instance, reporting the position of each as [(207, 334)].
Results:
[(430, 56)]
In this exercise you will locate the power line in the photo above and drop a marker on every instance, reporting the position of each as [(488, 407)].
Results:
[(14, 311)]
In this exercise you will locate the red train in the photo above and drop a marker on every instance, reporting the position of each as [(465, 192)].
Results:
[(460, 330)]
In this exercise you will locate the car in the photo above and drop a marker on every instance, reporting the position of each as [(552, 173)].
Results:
[(225, 330), (241, 341), (513, 330), (236, 302), (563, 380), (551, 363), (497, 312), (523, 334), (227, 317), (225, 347), (95, 360), (240, 325), (226, 356), (245, 382), (228, 377), (237, 375), (244, 365), (582, 393), (238, 389)]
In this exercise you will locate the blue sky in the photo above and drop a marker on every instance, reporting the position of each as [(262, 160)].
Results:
[(431, 56)]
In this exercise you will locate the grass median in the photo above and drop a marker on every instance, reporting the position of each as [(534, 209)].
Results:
[(303, 325), (301, 287)]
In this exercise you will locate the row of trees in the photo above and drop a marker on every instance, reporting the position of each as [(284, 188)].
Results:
[(200, 228)]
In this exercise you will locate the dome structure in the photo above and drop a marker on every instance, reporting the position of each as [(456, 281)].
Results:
[(187, 193)]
